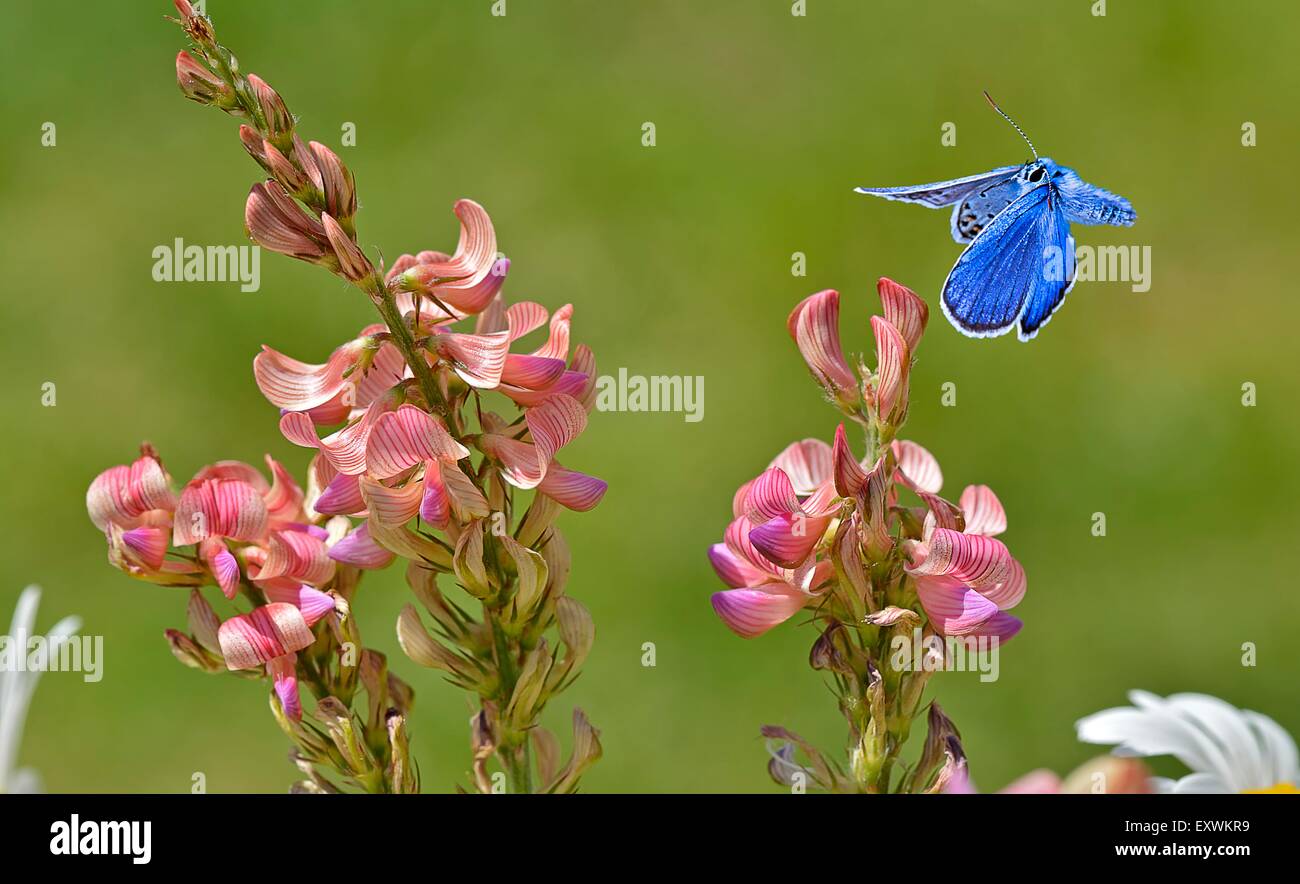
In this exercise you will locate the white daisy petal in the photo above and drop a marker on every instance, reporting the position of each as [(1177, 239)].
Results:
[(1152, 731), (1202, 784), (1224, 724), (1282, 759)]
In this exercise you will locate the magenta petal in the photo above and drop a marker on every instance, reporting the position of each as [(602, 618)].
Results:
[(787, 540), (359, 550), (434, 506), (953, 609), (735, 571), (149, 545), (342, 496), (1001, 625), (283, 670), (752, 612), (770, 496)]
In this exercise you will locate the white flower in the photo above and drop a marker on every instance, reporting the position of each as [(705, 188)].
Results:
[(17, 683), (1228, 749)]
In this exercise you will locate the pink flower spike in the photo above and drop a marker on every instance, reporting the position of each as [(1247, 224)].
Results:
[(903, 310), (283, 672), (918, 468), (219, 508), (299, 386), (892, 366), (953, 609), (359, 550), (123, 495), (270, 631), (751, 612), (972, 559), (572, 489), (849, 475), (406, 437), (983, 511), (815, 326), (478, 359)]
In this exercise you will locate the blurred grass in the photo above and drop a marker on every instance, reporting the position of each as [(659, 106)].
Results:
[(677, 260)]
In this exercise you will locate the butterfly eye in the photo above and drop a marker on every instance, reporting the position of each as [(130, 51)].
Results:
[(1037, 175)]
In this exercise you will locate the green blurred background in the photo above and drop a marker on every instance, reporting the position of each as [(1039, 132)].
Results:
[(677, 259)]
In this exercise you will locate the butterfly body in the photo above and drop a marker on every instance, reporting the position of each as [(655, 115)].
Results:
[(1015, 221)]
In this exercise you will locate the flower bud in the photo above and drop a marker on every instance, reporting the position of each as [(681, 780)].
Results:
[(815, 326), (586, 752), (530, 694), (204, 622), (188, 652), (400, 773), (577, 629), (200, 84), (275, 222), (336, 183), (279, 122), (468, 561), (353, 263)]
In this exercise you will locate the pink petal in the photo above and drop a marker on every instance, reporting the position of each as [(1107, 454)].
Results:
[(342, 496), (751, 612), (583, 364), (808, 463), (737, 539), (571, 383), (313, 603), (557, 345), (386, 371), (467, 502), (972, 559), (391, 506), (849, 475), (471, 268), (266, 632), (222, 563), (1007, 594), (735, 571), (523, 317), (148, 545), (435, 508), (359, 550), (284, 499), (345, 449), (121, 495), (920, 471), (520, 462), (983, 511), (815, 326), (478, 359), (953, 609), (219, 508), (942, 513), (555, 423), (771, 495), (406, 437), (299, 386), (903, 310), (297, 554), (572, 489), (1001, 626), (892, 364), (283, 671), (532, 372), (788, 540)]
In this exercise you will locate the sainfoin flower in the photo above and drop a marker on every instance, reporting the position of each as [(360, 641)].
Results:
[(1227, 749), (866, 546)]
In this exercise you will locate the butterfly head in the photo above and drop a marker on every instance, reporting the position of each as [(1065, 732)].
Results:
[(1038, 169)]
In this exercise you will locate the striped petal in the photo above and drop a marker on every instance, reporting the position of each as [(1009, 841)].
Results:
[(751, 612), (284, 499), (574, 490), (892, 364), (258, 637), (519, 462), (299, 555), (435, 507), (770, 495), (473, 283), (734, 570), (532, 372), (903, 310), (918, 467), (1007, 594), (313, 603), (360, 551), (467, 502), (342, 496), (478, 359), (344, 449), (524, 317), (808, 463), (391, 506), (299, 386), (983, 511), (555, 423), (571, 383), (584, 365), (788, 540), (121, 495), (953, 609), (557, 343), (222, 563), (972, 559), (849, 475), (147, 545), (815, 326), (406, 437), (284, 676), (219, 508)]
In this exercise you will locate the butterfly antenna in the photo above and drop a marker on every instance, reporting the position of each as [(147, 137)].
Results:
[(1004, 116)]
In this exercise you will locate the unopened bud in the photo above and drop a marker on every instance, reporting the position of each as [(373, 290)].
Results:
[(200, 84), (353, 263), (279, 122), (186, 650)]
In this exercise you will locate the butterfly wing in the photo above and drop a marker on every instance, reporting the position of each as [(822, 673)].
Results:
[(979, 207), (1019, 267), (940, 193), (1086, 203)]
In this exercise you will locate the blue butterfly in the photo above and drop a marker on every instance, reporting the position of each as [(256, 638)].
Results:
[(1019, 261)]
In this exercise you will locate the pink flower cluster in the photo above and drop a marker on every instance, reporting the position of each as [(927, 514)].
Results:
[(818, 517)]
